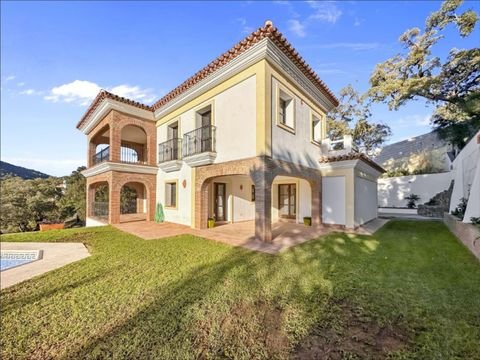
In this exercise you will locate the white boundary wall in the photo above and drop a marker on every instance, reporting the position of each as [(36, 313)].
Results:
[(466, 170), (392, 191)]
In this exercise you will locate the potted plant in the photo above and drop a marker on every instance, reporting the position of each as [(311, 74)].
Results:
[(307, 220), (210, 222), (51, 225)]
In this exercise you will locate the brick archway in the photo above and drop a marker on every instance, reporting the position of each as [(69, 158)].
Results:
[(262, 170)]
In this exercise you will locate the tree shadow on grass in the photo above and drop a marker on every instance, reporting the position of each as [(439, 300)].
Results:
[(190, 318)]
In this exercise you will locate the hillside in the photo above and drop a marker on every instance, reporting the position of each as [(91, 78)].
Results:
[(7, 169)]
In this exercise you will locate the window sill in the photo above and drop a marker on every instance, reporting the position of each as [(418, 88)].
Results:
[(286, 128), (171, 208), (316, 143)]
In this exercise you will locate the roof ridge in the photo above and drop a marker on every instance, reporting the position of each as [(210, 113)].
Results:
[(104, 94), (352, 156), (266, 31)]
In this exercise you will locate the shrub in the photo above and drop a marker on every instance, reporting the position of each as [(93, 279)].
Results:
[(460, 209)]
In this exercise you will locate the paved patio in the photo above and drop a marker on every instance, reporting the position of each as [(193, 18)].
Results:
[(285, 234)]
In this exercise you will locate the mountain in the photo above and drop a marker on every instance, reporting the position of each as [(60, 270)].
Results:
[(7, 169)]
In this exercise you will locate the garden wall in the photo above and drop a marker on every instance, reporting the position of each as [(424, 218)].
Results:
[(468, 234), (392, 191)]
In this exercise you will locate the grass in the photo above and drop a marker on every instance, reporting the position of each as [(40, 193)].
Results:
[(409, 291)]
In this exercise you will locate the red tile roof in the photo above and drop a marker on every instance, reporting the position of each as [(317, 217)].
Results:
[(352, 156), (267, 31), (104, 94)]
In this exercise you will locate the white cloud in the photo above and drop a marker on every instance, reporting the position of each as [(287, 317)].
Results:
[(83, 91), (20, 84), (8, 78), (30, 92), (245, 28), (357, 21), (296, 27), (326, 11), (322, 11)]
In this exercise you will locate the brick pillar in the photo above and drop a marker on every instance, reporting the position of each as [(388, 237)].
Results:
[(263, 204), (316, 189), (91, 147), (113, 203), (115, 142), (150, 148), (151, 198), (90, 199)]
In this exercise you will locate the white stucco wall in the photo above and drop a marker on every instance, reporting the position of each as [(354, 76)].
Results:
[(182, 214), (333, 200), (296, 148), (89, 222), (234, 116), (392, 191), (365, 200), (466, 175)]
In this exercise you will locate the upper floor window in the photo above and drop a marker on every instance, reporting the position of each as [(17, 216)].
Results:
[(316, 129), (285, 109), (173, 131), (204, 116)]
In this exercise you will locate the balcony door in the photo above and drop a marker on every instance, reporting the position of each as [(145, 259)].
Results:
[(287, 201), (220, 210), (206, 121)]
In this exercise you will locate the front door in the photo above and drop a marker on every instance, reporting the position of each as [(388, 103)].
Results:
[(287, 201), (220, 203)]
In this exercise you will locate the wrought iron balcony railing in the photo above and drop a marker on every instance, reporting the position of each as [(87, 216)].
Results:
[(101, 156), (170, 150), (199, 140)]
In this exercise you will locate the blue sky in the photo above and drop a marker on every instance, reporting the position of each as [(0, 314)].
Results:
[(55, 56)]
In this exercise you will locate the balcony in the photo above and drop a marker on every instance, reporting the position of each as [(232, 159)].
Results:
[(199, 146), (101, 156), (170, 155)]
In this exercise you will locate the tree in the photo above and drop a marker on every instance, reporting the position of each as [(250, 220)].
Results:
[(25, 203), (351, 117), (452, 86), (74, 198)]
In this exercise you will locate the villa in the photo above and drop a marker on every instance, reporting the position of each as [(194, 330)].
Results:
[(243, 139)]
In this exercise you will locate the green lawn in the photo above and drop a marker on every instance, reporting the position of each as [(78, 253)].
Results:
[(409, 291)]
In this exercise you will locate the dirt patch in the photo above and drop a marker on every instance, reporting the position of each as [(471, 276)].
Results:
[(248, 330), (354, 336)]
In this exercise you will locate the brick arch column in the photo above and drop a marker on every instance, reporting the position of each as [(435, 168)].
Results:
[(119, 180), (262, 170), (120, 120)]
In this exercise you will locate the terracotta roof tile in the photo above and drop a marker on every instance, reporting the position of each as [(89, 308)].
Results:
[(352, 156), (267, 31), (104, 94)]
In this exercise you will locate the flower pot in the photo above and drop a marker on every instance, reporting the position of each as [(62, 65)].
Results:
[(210, 223), (45, 227), (307, 221)]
